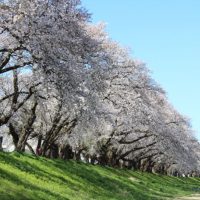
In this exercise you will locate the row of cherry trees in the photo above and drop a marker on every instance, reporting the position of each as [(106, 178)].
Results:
[(67, 90)]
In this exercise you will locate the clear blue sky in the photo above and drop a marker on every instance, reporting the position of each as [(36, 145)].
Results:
[(165, 34)]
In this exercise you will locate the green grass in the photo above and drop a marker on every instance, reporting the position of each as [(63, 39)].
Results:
[(24, 177)]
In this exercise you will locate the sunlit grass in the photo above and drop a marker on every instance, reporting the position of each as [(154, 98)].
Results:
[(24, 177)]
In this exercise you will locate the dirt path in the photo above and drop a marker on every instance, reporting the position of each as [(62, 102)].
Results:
[(193, 197)]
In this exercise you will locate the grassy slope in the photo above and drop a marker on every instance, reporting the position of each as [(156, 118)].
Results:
[(26, 177)]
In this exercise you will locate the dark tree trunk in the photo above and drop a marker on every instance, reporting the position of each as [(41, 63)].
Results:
[(77, 156), (103, 160), (54, 132), (22, 141), (93, 159), (65, 152), (1, 143), (30, 148), (14, 135), (54, 153), (38, 148)]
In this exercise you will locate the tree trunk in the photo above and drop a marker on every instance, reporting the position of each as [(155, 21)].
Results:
[(54, 151), (14, 135), (68, 153), (30, 148), (1, 143), (78, 154), (22, 141), (38, 148), (93, 159), (54, 132)]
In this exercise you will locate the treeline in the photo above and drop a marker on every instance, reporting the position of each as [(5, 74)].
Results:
[(67, 90)]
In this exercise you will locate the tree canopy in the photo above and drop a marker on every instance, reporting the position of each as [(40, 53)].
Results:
[(68, 90)]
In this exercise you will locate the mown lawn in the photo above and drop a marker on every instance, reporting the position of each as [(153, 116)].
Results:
[(24, 177)]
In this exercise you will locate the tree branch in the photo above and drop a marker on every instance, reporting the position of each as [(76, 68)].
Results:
[(7, 69)]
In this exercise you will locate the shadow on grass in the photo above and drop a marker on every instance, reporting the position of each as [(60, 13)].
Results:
[(119, 187), (27, 185), (86, 181), (20, 181)]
